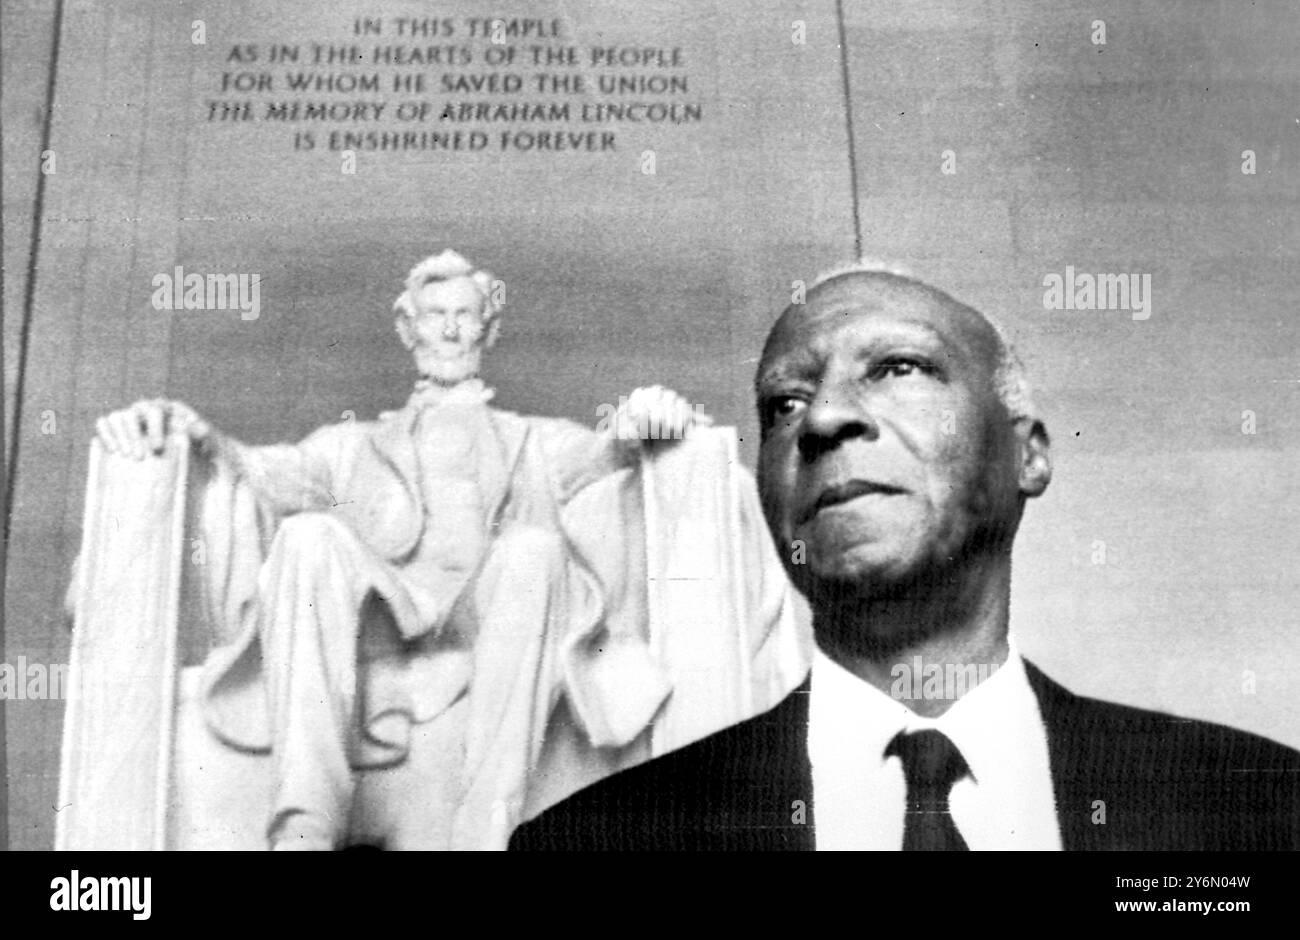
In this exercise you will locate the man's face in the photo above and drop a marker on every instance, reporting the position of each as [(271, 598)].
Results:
[(885, 449), (446, 332)]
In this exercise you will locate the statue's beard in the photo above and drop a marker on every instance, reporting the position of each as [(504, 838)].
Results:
[(448, 370)]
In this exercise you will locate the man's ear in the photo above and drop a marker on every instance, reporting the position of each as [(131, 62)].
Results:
[(493, 329), (406, 331), (1035, 456)]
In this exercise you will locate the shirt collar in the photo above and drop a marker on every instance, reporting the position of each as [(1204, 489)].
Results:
[(985, 723)]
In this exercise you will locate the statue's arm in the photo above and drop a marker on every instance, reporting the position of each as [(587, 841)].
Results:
[(646, 419), (288, 477), (578, 456)]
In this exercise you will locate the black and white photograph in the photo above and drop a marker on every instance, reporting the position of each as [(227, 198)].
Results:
[(724, 426)]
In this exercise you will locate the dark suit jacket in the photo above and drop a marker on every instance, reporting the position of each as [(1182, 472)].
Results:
[(1163, 783)]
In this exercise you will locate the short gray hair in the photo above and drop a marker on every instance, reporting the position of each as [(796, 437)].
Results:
[(1010, 380)]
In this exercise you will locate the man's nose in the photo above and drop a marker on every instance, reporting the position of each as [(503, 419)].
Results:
[(836, 414), (450, 328)]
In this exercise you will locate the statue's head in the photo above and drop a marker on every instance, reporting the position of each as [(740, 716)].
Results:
[(446, 316)]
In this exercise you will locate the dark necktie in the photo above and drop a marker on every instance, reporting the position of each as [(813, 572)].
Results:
[(931, 764)]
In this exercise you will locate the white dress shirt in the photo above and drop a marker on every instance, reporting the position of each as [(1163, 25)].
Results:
[(859, 795)]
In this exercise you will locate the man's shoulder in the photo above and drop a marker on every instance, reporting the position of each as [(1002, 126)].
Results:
[(747, 786), (1159, 734), (1160, 780)]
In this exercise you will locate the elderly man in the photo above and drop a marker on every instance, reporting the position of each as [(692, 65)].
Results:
[(899, 446), (418, 570)]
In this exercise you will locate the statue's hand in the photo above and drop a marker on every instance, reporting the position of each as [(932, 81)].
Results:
[(143, 428), (654, 414)]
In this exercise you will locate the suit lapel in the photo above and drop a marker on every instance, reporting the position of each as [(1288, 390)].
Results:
[(765, 762), (1079, 752), (797, 768)]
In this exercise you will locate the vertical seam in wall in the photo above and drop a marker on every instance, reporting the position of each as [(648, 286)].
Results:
[(848, 126), (29, 299), (24, 338)]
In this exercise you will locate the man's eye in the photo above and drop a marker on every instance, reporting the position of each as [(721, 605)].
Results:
[(782, 408), (901, 367)]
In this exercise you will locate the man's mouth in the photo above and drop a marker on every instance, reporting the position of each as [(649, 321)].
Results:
[(844, 492)]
